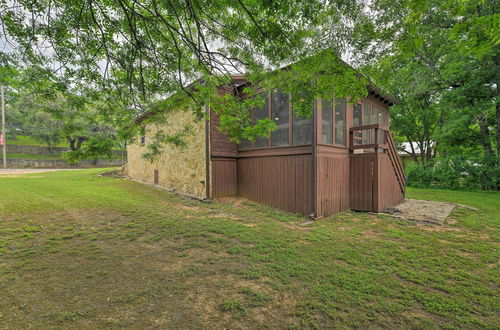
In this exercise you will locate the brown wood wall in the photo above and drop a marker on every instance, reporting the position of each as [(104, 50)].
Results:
[(285, 177), (223, 162), (224, 177), (284, 182), (332, 180), (220, 145), (389, 190), (361, 181), (374, 185)]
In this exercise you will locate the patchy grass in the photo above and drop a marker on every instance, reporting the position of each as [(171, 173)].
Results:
[(80, 251)]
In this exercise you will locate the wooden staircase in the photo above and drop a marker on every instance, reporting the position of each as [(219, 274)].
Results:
[(395, 161)]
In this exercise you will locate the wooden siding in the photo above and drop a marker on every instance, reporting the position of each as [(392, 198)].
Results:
[(332, 180), (389, 190), (223, 165), (284, 182), (320, 178), (220, 145), (361, 181), (224, 178), (374, 185)]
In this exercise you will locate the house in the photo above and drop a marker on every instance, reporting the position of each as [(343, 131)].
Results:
[(408, 151), (342, 158)]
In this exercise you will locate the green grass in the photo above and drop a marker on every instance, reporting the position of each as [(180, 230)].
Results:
[(30, 141), (31, 156), (80, 251)]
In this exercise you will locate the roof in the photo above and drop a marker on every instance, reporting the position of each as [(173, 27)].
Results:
[(406, 148), (237, 79), (383, 96), (240, 80)]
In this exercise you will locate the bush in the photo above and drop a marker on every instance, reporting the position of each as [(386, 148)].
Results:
[(455, 172)]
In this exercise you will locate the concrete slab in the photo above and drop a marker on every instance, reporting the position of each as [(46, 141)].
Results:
[(422, 211)]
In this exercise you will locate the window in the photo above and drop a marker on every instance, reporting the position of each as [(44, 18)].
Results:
[(356, 121), (356, 116), (142, 137), (302, 128), (333, 122), (280, 115), (381, 116), (374, 116), (326, 121), (245, 144), (340, 105), (384, 120), (370, 115), (259, 114)]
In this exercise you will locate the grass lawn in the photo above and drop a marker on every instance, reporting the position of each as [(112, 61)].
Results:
[(25, 140), (80, 251)]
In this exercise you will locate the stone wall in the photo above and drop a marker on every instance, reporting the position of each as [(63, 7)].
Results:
[(179, 169), (21, 149), (60, 163)]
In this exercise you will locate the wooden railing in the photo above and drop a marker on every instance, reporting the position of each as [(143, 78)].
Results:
[(377, 138), (396, 162), (368, 137)]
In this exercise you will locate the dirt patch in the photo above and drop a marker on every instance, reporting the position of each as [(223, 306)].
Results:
[(296, 227), (235, 201), (235, 304), (225, 216), (439, 228), (188, 207), (370, 233)]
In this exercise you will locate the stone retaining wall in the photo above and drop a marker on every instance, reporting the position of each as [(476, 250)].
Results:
[(61, 163), (20, 149)]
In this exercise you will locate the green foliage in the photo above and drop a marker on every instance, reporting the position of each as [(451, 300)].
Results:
[(98, 146), (161, 139), (138, 53), (455, 172), (53, 118)]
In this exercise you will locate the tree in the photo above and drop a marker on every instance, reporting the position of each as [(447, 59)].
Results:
[(442, 61), (418, 119), (138, 52), (73, 118)]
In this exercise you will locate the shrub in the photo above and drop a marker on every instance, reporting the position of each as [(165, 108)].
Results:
[(456, 172)]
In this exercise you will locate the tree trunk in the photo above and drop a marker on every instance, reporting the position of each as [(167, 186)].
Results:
[(79, 143), (413, 154), (71, 142), (421, 146), (434, 152), (485, 134)]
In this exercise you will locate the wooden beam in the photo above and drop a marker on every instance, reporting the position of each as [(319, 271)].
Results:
[(369, 146)]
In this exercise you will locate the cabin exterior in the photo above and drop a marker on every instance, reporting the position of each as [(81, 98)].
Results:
[(342, 158)]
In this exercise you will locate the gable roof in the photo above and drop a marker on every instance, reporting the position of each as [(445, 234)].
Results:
[(240, 80)]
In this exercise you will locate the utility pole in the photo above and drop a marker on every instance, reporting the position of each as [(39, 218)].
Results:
[(4, 138)]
